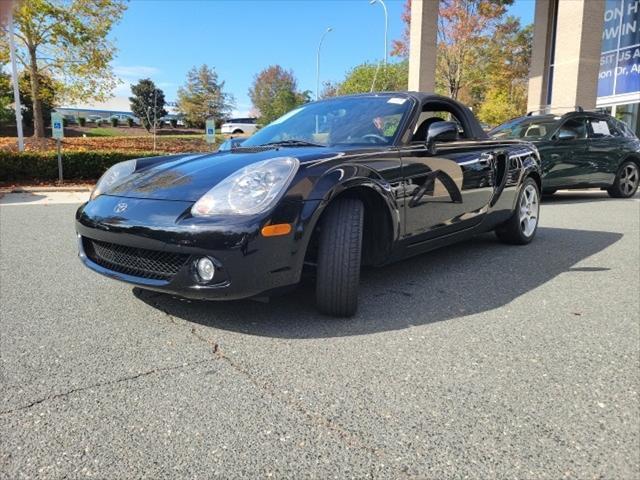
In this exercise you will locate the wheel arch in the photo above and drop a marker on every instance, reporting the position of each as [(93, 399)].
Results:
[(378, 236), (631, 157)]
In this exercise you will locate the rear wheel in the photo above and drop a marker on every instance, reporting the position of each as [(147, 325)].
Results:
[(523, 224), (339, 257), (626, 183)]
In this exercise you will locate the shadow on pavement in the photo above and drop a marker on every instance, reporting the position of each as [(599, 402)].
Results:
[(11, 198), (468, 278)]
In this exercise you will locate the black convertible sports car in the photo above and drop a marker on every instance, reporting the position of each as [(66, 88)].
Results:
[(335, 184)]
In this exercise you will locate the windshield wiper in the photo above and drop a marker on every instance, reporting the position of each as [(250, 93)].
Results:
[(294, 143)]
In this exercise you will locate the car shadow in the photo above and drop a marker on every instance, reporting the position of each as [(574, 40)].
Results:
[(464, 279), (565, 197), (12, 198)]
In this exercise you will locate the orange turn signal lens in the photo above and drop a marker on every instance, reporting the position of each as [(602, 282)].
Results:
[(276, 230)]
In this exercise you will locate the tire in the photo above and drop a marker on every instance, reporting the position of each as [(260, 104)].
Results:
[(521, 228), (626, 182), (339, 256)]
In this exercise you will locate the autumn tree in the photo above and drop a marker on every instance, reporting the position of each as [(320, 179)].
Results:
[(274, 92), (507, 58), (66, 40), (203, 96), (147, 102), (49, 92)]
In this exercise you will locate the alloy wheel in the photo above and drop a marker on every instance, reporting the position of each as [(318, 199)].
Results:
[(529, 209), (629, 178)]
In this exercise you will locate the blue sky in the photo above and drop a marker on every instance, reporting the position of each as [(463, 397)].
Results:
[(163, 39)]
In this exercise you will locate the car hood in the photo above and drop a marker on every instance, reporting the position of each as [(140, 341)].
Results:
[(188, 177)]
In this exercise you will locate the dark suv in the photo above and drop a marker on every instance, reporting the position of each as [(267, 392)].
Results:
[(580, 150)]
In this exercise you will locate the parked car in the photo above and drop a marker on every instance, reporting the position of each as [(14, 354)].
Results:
[(237, 126), (230, 144), (336, 184), (580, 150)]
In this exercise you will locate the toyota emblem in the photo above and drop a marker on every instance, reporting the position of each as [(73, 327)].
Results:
[(120, 207)]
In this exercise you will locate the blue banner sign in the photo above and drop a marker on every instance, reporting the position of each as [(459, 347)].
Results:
[(620, 58)]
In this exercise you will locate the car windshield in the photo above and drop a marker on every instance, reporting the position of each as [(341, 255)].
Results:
[(366, 120), (527, 128)]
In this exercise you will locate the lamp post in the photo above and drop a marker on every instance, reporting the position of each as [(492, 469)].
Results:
[(16, 91), (329, 29), (386, 25)]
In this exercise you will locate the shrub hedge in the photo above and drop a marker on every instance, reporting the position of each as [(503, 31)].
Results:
[(43, 166)]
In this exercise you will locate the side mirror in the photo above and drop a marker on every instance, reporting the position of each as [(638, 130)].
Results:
[(442, 132), (566, 135)]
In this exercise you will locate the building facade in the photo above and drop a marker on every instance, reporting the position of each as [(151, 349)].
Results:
[(585, 53)]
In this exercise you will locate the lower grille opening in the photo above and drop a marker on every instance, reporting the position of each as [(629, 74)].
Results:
[(139, 262)]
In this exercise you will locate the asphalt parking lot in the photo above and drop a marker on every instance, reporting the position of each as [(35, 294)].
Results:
[(475, 361)]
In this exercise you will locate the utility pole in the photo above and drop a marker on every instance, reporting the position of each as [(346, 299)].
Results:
[(318, 62), (16, 90), (155, 121)]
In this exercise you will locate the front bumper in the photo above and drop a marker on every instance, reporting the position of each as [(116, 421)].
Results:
[(247, 264)]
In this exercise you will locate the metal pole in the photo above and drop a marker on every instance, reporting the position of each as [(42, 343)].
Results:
[(16, 90), (59, 162), (318, 62), (386, 25), (155, 121)]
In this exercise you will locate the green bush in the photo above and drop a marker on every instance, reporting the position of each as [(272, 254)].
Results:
[(82, 121), (99, 122), (174, 123), (130, 121), (114, 121), (43, 166)]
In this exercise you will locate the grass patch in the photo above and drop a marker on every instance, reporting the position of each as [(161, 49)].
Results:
[(104, 132)]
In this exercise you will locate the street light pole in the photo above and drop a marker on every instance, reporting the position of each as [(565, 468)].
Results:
[(386, 25), (16, 90), (329, 29)]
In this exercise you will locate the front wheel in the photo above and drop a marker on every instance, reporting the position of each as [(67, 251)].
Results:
[(523, 224), (626, 183), (339, 256)]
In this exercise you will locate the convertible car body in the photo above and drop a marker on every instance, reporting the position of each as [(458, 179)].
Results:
[(335, 184)]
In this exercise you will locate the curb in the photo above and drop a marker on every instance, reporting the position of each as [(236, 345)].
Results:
[(44, 189)]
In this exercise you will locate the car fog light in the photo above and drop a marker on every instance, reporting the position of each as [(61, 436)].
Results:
[(206, 270)]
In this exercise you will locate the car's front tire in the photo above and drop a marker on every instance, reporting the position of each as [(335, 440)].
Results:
[(626, 182), (339, 257), (523, 224)]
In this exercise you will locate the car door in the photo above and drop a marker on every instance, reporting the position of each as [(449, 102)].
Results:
[(564, 155), (445, 191), (604, 150)]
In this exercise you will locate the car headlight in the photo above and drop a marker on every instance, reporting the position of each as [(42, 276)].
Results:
[(113, 176), (251, 190)]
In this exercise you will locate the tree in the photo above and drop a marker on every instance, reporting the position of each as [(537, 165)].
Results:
[(507, 59), (203, 97), (49, 89), (67, 40), (463, 27), (147, 103), (6, 99), (381, 78), (400, 48), (482, 59), (275, 92)]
